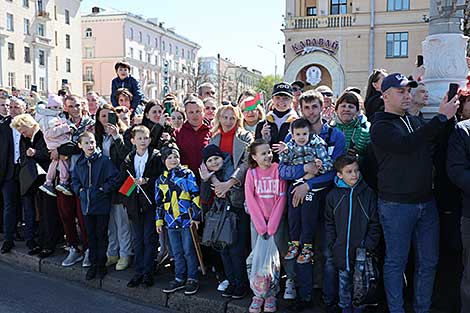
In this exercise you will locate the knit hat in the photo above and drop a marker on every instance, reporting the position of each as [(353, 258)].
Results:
[(166, 151), (211, 150), (54, 101)]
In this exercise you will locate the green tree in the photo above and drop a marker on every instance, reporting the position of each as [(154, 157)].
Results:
[(266, 84)]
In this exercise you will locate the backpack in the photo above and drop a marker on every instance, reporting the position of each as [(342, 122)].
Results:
[(365, 279)]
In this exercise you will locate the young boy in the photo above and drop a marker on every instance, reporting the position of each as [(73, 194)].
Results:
[(177, 200), (351, 221), (304, 147), (125, 80), (145, 165), (94, 178)]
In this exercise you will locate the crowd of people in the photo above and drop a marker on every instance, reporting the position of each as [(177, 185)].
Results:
[(307, 184)]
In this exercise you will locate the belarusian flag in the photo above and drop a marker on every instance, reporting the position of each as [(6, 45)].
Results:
[(251, 105), (128, 187)]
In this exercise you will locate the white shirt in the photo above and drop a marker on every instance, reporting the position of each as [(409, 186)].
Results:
[(16, 145), (139, 164)]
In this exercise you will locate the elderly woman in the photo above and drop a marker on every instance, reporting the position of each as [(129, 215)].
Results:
[(233, 139), (110, 140), (251, 116), (34, 153)]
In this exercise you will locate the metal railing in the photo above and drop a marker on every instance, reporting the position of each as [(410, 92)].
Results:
[(331, 21)]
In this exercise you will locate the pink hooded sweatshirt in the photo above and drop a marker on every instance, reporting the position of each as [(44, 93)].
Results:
[(265, 196)]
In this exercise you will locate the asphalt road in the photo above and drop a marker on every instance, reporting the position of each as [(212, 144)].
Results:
[(23, 291)]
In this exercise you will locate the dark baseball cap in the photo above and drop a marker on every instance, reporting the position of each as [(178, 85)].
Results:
[(298, 83), (282, 89), (397, 80)]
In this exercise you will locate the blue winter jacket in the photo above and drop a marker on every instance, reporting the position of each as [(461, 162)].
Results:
[(93, 180), (132, 85)]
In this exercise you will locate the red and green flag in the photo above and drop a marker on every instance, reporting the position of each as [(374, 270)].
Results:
[(128, 187), (251, 105)]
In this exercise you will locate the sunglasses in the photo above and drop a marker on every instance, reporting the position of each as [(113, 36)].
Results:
[(327, 94), (296, 89), (122, 110)]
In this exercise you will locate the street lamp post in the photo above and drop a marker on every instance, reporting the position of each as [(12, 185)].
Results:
[(275, 58)]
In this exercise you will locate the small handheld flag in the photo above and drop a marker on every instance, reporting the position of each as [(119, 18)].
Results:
[(128, 187), (251, 105)]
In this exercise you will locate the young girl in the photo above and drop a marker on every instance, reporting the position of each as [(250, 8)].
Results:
[(265, 195)]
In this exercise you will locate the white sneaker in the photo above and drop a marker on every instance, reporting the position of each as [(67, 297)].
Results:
[(290, 293), (223, 286), (86, 260), (74, 257)]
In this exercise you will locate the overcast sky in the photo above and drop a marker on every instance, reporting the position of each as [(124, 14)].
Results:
[(232, 28)]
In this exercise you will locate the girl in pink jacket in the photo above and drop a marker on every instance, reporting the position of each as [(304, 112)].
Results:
[(265, 200)]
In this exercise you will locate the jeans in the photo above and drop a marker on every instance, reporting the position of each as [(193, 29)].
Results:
[(145, 241), (345, 288), (97, 232), (234, 256), (11, 202), (403, 224), (303, 218), (182, 246), (119, 232), (465, 284)]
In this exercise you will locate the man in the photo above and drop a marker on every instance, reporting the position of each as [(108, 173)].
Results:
[(194, 135), (297, 89), (419, 99), (93, 103), (9, 172), (315, 190), (4, 108), (407, 209), (206, 90)]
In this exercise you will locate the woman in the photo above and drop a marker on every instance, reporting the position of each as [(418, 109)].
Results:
[(232, 138), (463, 112), (353, 124), (124, 97), (158, 123), (34, 152), (373, 100), (178, 116), (251, 117), (124, 115), (110, 140)]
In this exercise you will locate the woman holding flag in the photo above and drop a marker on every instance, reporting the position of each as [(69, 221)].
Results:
[(253, 112)]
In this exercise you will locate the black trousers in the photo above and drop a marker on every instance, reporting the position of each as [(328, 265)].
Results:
[(97, 232)]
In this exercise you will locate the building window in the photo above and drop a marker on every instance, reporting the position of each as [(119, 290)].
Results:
[(177, 51), (156, 60), (67, 41), (27, 81), (42, 84), (40, 6), (88, 32), (42, 57), (88, 52), (11, 79), (398, 5), (131, 33), (56, 40), (41, 30), (131, 53), (10, 22), (26, 26), (312, 11), (171, 48), (26, 3), (68, 66), (89, 73), (339, 7), (149, 61), (55, 12), (57, 63), (182, 53), (156, 42), (67, 17), (140, 55), (140, 37), (163, 46), (148, 40), (27, 55), (11, 51), (397, 45)]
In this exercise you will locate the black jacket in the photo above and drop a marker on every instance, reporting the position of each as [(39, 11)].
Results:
[(42, 156), (7, 169), (373, 104), (351, 211), (403, 147), (136, 202), (458, 162)]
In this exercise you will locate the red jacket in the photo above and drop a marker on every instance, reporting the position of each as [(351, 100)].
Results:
[(191, 142)]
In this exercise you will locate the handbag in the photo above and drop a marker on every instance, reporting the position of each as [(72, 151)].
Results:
[(30, 173), (366, 279), (220, 229)]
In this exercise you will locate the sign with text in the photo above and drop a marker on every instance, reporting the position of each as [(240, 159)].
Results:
[(316, 44)]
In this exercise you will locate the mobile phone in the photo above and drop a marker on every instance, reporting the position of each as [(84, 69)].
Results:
[(453, 88), (34, 88), (419, 60), (112, 118), (168, 105)]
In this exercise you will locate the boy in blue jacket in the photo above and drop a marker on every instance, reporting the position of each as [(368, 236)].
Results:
[(125, 80), (351, 222), (94, 178)]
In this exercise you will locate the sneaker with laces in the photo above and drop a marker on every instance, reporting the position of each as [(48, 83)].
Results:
[(122, 263), (223, 286), (192, 286), (64, 188), (256, 305), (174, 285), (74, 257), (112, 259), (290, 293), (86, 260), (292, 251), (306, 256), (49, 189), (270, 304)]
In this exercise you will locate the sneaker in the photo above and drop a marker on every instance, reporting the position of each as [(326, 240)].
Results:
[(64, 188), (91, 273), (223, 286), (256, 304), (270, 304), (122, 264), (239, 292), (86, 260), (45, 253), (228, 293), (174, 285), (292, 251), (102, 271), (33, 247), (192, 286), (290, 293), (306, 256), (74, 257), (112, 260), (48, 189)]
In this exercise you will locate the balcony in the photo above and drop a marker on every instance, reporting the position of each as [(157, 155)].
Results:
[(309, 22), (43, 15), (88, 79), (42, 41)]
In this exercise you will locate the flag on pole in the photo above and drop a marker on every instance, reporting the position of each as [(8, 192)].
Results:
[(251, 105), (128, 187)]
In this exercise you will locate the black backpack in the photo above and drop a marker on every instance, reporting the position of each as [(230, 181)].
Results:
[(366, 279)]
